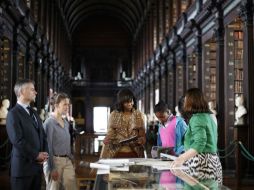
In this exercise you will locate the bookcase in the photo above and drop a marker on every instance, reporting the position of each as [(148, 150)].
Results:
[(31, 69), (5, 68), (192, 70), (238, 59), (170, 87), (179, 81), (234, 58), (210, 70), (21, 65), (163, 88)]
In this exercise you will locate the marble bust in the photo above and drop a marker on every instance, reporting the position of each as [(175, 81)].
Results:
[(212, 107), (4, 110), (42, 114), (177, 111), (240, 111)]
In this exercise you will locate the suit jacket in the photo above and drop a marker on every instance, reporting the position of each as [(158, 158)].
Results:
[(27, 141)]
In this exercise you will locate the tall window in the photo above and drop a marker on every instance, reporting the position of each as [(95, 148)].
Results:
[(140, 105), (100, 119), (157, 95)]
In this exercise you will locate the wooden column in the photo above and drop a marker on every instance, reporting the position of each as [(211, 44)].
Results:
[(160, 81), (220, 68), (166, 81), (174, 78), (14, 66), (246, 13), (27, 57), (147, 93)]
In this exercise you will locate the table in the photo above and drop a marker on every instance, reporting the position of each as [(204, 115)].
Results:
[(145, 177)]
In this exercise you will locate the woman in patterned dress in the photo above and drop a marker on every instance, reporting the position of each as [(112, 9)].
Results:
[(200, 140), (125, 122)]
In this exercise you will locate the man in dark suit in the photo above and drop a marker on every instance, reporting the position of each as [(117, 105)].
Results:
[(25, 131)]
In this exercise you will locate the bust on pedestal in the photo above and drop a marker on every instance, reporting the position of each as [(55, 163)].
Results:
[(212, 108), (213, 111), (240, 111), (42, 114), (177, 111), (4, 110)]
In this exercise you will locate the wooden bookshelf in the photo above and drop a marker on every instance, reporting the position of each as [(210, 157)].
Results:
[(21, 65), (192, 70), (210, 70), (5, 68), (170, 91), (234, 56), (31, 69), (238, 62), (179, 81)]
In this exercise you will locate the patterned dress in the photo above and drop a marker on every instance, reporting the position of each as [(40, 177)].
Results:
[(122, 127)]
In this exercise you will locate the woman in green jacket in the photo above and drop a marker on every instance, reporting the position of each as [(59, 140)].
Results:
[(200, 140)]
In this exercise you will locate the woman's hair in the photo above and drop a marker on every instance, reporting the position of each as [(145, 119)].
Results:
[(125, 95), (195, 102), (57, 98)]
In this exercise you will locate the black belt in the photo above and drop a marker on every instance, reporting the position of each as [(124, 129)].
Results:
[(61, 155)]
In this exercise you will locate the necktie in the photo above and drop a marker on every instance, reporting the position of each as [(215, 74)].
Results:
[(31, 113)]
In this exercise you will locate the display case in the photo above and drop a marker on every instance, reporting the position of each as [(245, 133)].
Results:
[(147, 176)]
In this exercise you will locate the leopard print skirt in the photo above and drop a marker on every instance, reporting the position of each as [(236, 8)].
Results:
[(205, 166)]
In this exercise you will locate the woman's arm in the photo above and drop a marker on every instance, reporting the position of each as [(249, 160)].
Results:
[(183, 157)]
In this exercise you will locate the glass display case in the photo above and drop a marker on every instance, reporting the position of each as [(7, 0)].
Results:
[(145, 177)]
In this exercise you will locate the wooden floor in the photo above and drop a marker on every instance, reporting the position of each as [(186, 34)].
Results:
[(86, 177)]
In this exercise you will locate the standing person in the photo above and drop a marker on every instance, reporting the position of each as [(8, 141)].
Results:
[(29, 145), (200, 140), (124, 123), (171, 129), (59, 171)]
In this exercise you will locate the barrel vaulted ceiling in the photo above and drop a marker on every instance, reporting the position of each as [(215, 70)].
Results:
[(130, 13)]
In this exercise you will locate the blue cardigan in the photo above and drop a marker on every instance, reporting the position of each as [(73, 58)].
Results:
[(180, 130)]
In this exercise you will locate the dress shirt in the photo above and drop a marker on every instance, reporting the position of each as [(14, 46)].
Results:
[(58, 139)]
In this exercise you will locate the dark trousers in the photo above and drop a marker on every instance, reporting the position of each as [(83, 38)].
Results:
[(26, 183)]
